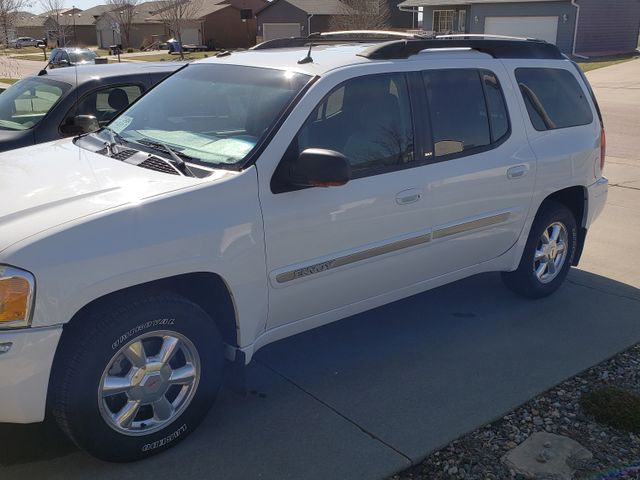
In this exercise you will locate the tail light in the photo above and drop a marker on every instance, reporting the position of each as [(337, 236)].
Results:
[(603, 148)]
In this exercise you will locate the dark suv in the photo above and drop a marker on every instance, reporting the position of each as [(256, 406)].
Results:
[(70, 101)]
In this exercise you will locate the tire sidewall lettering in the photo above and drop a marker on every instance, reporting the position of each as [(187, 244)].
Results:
[(165, 440), (160, 322)]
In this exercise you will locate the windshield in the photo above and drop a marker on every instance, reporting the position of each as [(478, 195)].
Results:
[(27, 102), (215, 114), (82, 56)]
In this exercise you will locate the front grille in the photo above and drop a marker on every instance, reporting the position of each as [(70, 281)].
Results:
[(154, 163)]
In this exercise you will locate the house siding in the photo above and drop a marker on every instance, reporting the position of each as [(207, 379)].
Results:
[(225, 29), (608, 28)]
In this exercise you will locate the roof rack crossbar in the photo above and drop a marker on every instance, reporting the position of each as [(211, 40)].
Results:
[(497, 48)]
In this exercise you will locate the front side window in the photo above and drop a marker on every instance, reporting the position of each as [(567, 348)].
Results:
[(106, 103), (553, 98), (459, 118), (214, 114), (27, 102), (367, 119)]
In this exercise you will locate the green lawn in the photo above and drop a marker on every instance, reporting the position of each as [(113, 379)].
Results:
[(10, 81), (588, 65)]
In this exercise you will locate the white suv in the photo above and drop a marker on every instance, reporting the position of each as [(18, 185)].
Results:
[(259, 194)]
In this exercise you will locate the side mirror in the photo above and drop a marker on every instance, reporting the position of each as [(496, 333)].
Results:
[(318, 167), (80, 124)]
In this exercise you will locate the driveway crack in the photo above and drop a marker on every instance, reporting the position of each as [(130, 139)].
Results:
[(625, 186), (334, 410)]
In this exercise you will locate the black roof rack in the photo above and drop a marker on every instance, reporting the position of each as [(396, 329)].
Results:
[(351, 36), (497, 48)]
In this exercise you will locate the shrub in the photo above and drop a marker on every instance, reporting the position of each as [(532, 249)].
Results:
[(129, 50), (614, 407)]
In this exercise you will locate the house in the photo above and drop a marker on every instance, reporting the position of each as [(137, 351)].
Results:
[(295, 18), (577, 27), (215, 23)]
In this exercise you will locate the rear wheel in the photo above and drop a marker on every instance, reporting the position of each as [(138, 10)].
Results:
[(548, 253), (137, 377)]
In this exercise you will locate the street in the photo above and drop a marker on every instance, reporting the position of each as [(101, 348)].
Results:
[(372, 394)]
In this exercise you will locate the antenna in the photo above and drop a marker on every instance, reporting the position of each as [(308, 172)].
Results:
[(308, 58)]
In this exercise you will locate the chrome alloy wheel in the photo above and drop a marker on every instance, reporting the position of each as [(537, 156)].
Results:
[(551, 252), (149, 382)]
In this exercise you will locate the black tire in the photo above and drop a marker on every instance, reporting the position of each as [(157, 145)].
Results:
[(524, 281), (89, 344)]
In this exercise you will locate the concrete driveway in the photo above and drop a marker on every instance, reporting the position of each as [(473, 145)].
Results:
[(365, 397)]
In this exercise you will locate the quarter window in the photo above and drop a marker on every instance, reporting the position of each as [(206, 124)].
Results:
[(368, 119), (553, 98)]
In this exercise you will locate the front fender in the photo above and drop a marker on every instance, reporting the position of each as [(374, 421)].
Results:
[(213, 227)]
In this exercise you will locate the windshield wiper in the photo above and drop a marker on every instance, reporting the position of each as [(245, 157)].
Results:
[(178, 158)]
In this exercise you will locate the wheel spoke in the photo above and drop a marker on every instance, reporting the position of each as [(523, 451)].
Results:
[(541, 269), (540, 255), (551, 267), (126, 415), (555, 232), (183, 375), (545, 237), (169, 348), (162, 408), (136, 355), (115, 385), (561, 247)]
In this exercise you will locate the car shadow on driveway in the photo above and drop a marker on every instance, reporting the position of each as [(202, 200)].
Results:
[(369, 395)]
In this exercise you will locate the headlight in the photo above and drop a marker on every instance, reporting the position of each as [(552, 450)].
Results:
[(17, 289)]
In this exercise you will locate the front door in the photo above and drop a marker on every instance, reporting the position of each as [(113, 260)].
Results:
[(329, 248)]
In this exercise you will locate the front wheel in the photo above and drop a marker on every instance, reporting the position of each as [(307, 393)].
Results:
[(548, 254), (135, 378)]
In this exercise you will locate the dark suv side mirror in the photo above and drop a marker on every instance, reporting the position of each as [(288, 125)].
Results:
[(318, 167), (80, 124)]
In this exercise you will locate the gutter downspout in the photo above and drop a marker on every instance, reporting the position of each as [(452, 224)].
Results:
[(309, 24), (575, 30)]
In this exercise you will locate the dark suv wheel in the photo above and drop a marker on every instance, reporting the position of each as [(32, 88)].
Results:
[(134, 378), (548, 254)]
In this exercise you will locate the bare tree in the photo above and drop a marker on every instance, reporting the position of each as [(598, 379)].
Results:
[(123, 12), (9, 15), (177, 14), (58, 23), (362, 15)]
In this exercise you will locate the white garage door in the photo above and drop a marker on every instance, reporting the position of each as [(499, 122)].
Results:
[(271, 31), (190, 36), (544, 28)]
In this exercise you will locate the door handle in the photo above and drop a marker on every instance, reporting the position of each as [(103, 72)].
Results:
[(517, 171), (407, 197)]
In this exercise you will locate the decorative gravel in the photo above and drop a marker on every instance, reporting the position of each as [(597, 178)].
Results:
[(616, 454)]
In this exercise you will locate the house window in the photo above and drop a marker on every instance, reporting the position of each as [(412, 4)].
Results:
[(443, 20), (462, 21)]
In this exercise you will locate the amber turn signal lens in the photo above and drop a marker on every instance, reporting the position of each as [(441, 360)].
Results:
[(14, 299)]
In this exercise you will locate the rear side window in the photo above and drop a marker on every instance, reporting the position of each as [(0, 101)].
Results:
[(467, 110), (554, 98)]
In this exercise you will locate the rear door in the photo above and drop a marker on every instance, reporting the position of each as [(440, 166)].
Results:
[(482, 172)]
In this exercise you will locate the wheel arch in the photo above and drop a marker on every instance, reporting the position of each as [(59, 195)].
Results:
[(576, 199), (206, 289)]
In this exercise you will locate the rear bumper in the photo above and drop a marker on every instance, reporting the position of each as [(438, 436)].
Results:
[(24, 372), (597, 198)]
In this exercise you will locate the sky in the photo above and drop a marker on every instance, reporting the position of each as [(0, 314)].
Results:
[(83, 4)]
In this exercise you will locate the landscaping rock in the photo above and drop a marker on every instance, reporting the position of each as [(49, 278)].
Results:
[(546, 455)]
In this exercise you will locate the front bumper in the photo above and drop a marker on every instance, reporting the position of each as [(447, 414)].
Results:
[(24, 372), (597, 198)]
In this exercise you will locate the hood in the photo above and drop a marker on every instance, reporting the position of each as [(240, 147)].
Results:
[(50, 184), (10, 139)]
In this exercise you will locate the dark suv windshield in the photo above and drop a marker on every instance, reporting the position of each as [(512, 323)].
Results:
[(215, 114), (27, 102)]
